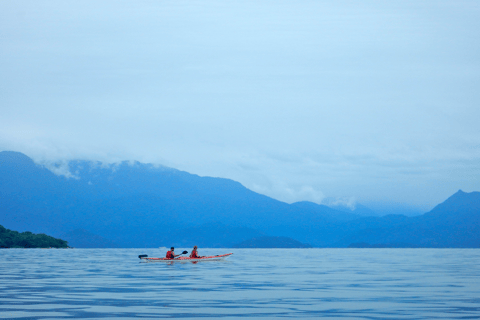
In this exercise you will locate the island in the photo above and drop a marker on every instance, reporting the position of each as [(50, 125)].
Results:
[(15, 239)]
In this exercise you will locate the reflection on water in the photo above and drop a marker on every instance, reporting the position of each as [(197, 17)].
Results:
[(255, 283)]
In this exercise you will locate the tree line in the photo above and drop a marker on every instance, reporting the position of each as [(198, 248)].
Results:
[(27, 239)]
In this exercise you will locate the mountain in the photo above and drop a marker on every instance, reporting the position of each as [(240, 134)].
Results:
[(131, 204), (454, 223), (326, 212), (80, 238), (344, 205), (271, 242), (461, 206), (138, 205)]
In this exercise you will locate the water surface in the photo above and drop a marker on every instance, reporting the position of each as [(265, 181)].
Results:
[(252, 283)]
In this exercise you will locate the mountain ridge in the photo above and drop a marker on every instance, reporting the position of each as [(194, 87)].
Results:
[(138, 205)]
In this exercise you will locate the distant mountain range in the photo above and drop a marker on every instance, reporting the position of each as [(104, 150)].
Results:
[(141, 205), (271, 242)]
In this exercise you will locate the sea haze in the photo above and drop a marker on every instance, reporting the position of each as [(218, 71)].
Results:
[(252, 283)]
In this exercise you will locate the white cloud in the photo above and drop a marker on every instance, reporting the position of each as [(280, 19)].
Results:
[(283, 192), (348, 202), (368, 100), (60, 168)]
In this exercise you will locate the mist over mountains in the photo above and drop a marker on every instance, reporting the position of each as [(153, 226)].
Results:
[(141, 205)]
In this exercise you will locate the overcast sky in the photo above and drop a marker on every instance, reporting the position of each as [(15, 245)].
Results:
[(377, 101)]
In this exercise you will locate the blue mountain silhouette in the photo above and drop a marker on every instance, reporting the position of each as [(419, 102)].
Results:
[(140, 205)]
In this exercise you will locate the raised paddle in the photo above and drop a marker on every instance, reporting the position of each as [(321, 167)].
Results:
[(184, 252)]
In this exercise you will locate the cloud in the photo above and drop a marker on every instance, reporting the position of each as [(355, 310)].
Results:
[(60, 168), (341, 202), (282, 191), (367, 100)]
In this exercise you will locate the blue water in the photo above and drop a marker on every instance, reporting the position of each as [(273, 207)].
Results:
[(252, 283)]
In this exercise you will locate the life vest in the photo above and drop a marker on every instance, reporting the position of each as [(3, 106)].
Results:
[(170, 255), (194, 254)]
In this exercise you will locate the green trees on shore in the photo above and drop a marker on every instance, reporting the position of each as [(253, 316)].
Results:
[(14, 239)]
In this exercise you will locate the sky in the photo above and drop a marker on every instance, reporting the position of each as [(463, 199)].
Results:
[(375, 102)]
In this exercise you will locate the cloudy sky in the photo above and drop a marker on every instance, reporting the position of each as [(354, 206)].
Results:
[(376, 101)]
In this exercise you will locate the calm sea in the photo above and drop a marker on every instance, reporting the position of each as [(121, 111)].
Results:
[(252, 283)]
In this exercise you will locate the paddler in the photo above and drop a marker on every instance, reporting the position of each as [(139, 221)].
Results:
[(171, 254), (194, 253)]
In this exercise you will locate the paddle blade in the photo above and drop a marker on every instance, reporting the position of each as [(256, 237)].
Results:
[(142, 256), (184, 252)]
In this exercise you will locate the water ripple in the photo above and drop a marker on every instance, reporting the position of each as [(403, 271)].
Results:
[(266, 284)]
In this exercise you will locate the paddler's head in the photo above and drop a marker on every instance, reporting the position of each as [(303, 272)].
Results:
[(172, 248), (195, 247)]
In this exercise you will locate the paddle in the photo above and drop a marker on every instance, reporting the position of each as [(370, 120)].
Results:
[(184, 252)]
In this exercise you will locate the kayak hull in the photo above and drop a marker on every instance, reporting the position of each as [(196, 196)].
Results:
[(187, 259)]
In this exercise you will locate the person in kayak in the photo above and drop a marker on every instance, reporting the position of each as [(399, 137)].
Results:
[(171, 254), (194, 253)]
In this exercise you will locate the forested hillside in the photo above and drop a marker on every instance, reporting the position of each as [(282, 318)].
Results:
[(14, 239)]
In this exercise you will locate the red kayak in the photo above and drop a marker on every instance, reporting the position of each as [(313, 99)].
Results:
[(185, 259)]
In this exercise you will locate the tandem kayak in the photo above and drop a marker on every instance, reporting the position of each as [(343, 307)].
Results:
[(185, 259)]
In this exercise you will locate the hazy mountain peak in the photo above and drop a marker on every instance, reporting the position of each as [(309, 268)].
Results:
[(460, 203), (463, 196)]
